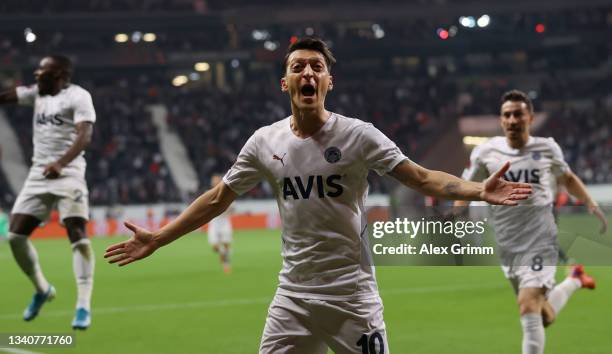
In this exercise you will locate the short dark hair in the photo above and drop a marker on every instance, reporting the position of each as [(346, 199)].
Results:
[(64, 64), (311, 43), (517, 96)]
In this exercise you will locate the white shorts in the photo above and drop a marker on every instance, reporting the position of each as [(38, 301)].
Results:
[(39, 196), (217, 235), (305, 326), (533, 269)]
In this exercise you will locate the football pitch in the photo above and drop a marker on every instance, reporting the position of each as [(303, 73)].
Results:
[(180, 301)]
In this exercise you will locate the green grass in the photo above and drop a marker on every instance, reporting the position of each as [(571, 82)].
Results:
[(179, 301)]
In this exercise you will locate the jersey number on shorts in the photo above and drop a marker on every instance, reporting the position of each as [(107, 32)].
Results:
[(536, 266), (78, 196), (369, 346)]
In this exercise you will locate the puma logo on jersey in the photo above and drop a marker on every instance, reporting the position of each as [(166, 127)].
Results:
[(275, 157), (304, 189), (48, 119), (523, 175)]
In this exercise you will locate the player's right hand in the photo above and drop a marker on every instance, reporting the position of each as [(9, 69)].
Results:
[(141, 245)]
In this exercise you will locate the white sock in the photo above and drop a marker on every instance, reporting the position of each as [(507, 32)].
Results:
[(225, 256), (533, 333), (562, 292), (27, 259), (83, 262)]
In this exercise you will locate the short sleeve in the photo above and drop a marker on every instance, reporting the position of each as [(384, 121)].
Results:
[(379, 152), (477, 171), (559, 167), (245, 173), (83, 107), (26, 95)]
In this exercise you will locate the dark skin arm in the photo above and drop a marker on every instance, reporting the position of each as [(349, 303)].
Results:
[(8, 96), (84, 132)]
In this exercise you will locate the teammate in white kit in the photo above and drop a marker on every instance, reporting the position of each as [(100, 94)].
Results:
[(527, 235), (62, 127), (317, 162), (220, 232)]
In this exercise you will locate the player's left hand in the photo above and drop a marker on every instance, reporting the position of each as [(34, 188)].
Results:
[(501, 192), (595, 210), (53, 170)]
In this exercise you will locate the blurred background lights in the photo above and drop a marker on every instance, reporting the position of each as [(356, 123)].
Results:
[(442, 33), (201, 66), (467, 21), (136, 36), (121, 38), (149, 37), (378, 31), (271, 46), (179, 80), (29, 35), (483, 21), (260, 35)]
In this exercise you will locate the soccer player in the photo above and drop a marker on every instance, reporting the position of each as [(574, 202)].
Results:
[(527, 235), (63, 123), (220, 232), (317, 162)]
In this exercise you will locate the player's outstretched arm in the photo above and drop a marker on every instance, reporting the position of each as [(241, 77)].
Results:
[(84, 131), (8, 96), (494, 190), (575, 187), (145, 242)]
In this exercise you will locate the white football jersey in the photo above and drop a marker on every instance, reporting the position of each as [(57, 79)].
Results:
[(530, 225), (321, 186), (54, 124)]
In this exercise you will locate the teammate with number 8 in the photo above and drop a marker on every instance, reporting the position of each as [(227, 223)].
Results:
[(527, 235)]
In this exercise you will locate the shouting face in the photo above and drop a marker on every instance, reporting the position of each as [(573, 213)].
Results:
[(307, 79)]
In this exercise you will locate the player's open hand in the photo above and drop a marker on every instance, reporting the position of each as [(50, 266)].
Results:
[(501, 192), (595, 210), (141, 245), (52, 170)]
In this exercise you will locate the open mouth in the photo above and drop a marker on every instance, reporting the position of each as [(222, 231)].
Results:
[(308, 90)]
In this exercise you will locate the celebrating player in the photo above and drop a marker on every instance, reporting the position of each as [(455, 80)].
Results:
[(220, 232), (527, 235), (63, 125), (317, 162)]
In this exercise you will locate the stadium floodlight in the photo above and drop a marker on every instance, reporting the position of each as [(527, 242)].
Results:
[(29, 35), (483, 21), (121, 38), (149, 37), (467, 21), (202, 66), (260, 35), (179, 80), (378, 31), (271, 46), (194, 76), (136, 36)]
